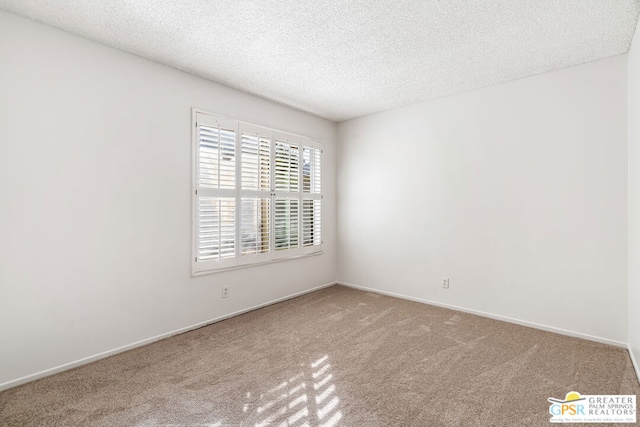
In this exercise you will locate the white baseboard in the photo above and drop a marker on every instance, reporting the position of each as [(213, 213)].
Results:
[(634, 362), (86, 360), (492, 316)]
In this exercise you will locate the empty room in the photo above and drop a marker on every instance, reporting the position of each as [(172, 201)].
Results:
[(319, 213)]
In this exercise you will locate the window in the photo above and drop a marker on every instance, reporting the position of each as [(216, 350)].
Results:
[(257, 194)]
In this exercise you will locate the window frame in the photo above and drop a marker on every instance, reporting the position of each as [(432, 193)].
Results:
[(238, 261)]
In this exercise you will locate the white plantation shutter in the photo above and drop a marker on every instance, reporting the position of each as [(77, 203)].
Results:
[(216, 157), (215, 192), (311, 197), (287, 167), (288, 192), (216, 228), (257, 194), (311, 222), (256, 160), (306, 169), (287, 231), (255, 228)]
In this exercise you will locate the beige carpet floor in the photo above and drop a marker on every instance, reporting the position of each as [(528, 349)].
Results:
[(336, 357)]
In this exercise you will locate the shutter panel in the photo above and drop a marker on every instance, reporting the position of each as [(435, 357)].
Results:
[(311, 198), (208, 156), (208, 228), (255, 169), (227, 159), (250, 170), (286, 219), (311, 170), (281, 219), (287, 204), (307, 222), (216, 157), (227, 228), (255, 228), (214, 224), (311, 222), (317, 223), (255, 194), (216, 228), (281, 166), (287, 167)]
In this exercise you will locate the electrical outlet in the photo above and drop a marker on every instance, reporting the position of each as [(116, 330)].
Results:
[(225, 292), (445, 282)]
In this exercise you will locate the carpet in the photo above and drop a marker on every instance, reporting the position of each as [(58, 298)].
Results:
[(335, 357)]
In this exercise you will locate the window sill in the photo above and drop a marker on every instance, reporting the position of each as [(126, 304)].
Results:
[(241, 267)]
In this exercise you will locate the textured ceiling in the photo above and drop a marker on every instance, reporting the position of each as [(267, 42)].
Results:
[(343, 59)]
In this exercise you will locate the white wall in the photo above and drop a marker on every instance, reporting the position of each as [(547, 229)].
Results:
[(634, 200), (517, 192), (95, 208)]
